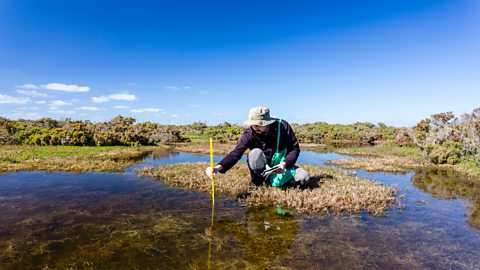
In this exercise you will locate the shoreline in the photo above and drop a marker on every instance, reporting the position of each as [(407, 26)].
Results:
[(80, 159)]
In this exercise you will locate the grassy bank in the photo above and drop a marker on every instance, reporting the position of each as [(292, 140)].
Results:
[(336, 191), (384, 149), (385, 158), (389, 158), (68, 158), (202, 146)]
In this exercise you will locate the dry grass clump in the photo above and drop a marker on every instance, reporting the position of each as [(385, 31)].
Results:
[(47, 158), (339, 192), (192, 176), (468, 171), (384, 164), (334, 190)]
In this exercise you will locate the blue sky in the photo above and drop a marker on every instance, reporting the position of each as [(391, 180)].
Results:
[(179, 61)]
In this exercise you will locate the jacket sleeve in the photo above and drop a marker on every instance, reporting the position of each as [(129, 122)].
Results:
[(234, 156), (293, 147)]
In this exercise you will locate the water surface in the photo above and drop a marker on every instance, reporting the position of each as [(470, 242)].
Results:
[(122, 221)]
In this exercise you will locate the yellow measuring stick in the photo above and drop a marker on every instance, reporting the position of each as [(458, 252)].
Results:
[(209, 261), (213, 182)]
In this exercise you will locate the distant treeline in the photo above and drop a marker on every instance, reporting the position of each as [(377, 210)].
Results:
[(124, 131), (318, 133), (442, 137), (119, 131)]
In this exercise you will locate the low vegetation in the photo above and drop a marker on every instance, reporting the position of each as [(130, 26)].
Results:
[(440, 139), (69, 158), (118, 131), (332, 190), (446, 139)]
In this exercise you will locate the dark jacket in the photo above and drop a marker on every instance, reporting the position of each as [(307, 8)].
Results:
[(268, 143)]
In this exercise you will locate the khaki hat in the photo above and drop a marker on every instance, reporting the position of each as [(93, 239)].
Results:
[(259, 116)]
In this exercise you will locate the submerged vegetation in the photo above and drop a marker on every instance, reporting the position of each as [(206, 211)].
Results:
[(69, 158), (85, 240), (331, 190)]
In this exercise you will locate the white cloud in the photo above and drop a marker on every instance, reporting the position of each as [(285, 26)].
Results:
[(28, 108), (145, 110), (123, 96), (57, 103), (40, 102), (100, 99), (23, 115), (116, 96), (174, 115), (86, 108), (120, 107), (174, 87), (28, 86), (4, 99), (61, 111), (32, 93), (72, 88)]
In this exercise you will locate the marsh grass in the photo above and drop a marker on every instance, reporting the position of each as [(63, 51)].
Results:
[(382, 150), (332, 190), (382, 163), (469, 167), (389, 158), (203, 147), (69, 158)]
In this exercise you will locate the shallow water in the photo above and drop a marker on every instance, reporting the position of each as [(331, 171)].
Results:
[(121, 221)]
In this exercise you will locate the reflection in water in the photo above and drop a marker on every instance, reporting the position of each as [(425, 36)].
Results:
[(120, 221), (446, 184)]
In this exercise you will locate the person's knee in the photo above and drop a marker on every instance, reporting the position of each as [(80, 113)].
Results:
[(301, 175), (257, 160)]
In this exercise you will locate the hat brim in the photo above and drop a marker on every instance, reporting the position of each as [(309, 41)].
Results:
[(259, 122)]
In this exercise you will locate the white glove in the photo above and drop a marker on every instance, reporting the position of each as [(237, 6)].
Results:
[(211, 173)]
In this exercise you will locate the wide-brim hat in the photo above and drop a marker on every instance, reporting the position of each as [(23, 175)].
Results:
[(259, 116)]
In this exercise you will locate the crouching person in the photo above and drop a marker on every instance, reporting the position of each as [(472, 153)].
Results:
[(272, 144)]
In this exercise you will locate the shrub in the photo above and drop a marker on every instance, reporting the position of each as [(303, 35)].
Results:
[(447, 153)]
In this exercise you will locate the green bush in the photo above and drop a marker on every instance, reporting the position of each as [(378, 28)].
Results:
[(448, 153)]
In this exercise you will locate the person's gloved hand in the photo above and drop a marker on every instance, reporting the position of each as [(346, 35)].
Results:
[(211, 173), (281, 168)]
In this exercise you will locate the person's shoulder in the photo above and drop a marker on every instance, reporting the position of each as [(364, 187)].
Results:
[(247, 133), (285, 123)]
